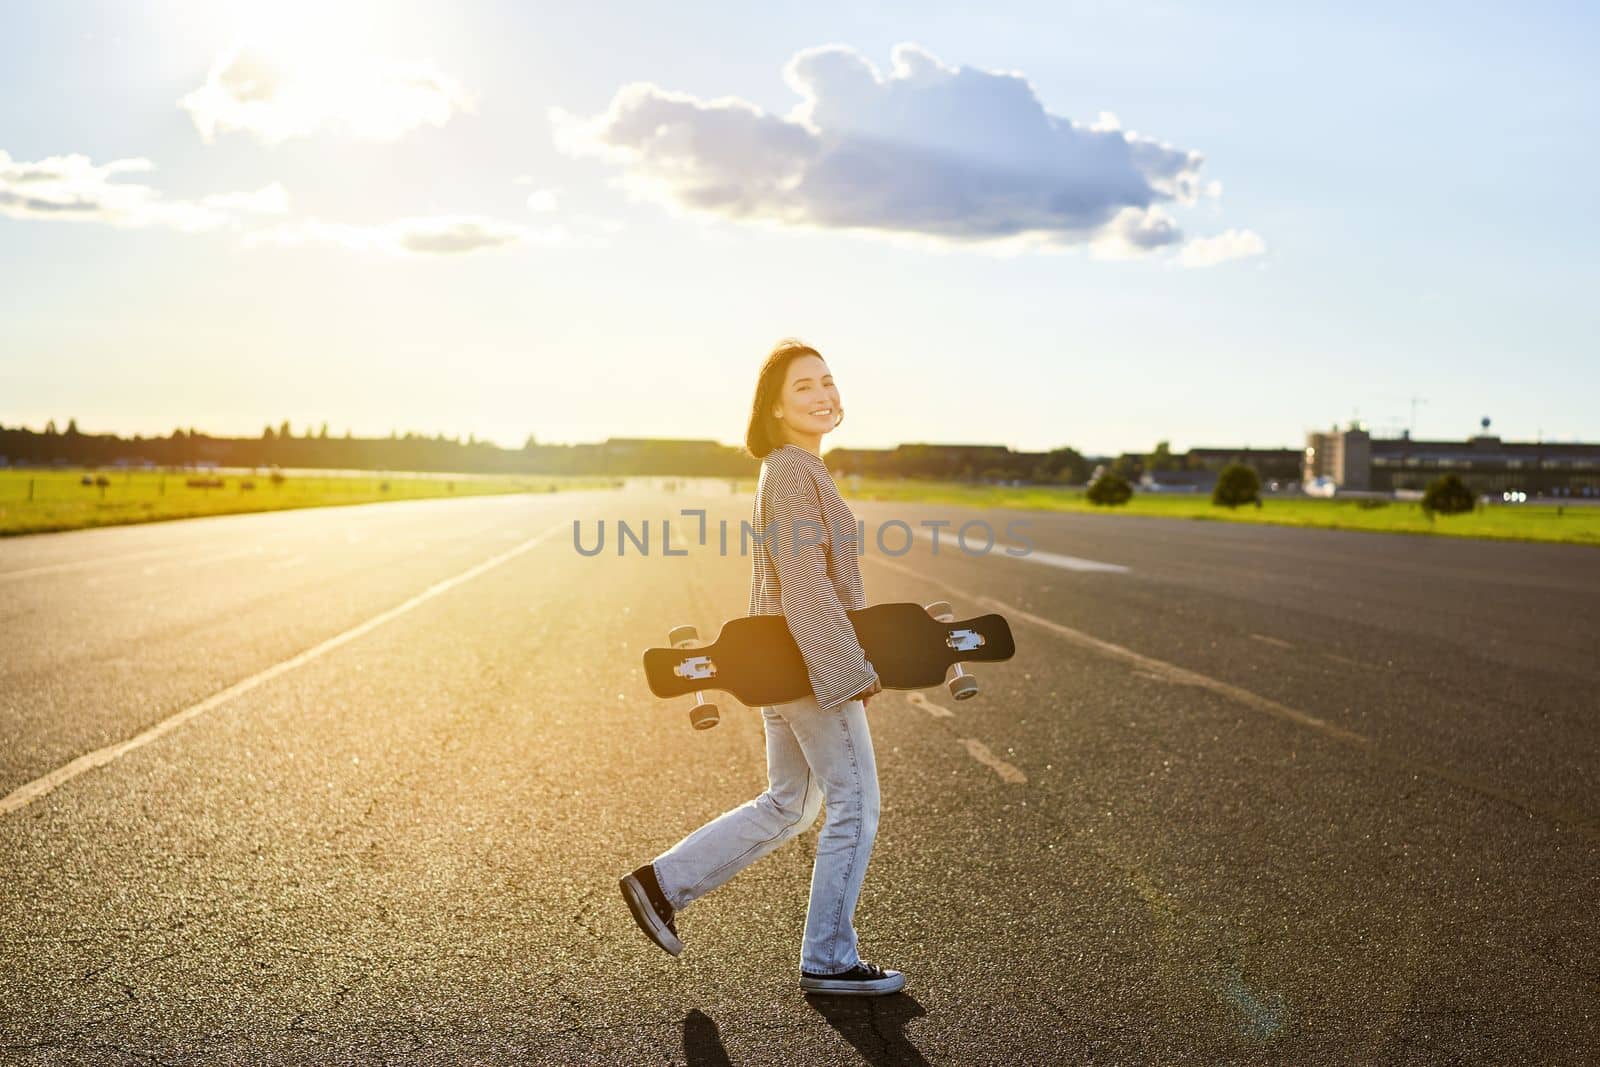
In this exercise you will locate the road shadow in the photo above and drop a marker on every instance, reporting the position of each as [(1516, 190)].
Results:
[(702, 1041), (875, 1026)]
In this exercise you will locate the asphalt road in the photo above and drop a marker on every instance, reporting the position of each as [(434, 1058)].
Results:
[(354, 785)]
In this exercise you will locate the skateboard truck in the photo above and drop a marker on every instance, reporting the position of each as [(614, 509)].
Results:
[(962, 685), (704, 715)]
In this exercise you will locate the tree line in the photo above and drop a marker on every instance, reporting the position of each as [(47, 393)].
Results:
[(316, 448)]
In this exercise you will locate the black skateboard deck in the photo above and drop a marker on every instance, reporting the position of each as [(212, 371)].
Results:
[(757, 661)]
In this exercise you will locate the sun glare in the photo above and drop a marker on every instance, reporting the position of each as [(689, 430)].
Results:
[(295, 68)]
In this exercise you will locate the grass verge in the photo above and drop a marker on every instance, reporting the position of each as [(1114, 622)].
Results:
[(1570, 524), (42, 501)]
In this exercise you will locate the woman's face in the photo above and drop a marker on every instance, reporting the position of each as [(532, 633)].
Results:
[(810, 400)]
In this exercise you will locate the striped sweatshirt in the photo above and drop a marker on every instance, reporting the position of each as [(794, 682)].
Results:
[(804, 567)]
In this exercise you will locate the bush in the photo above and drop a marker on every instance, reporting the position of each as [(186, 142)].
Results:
[(1237, 484), (1448, 495), (1109, 490)]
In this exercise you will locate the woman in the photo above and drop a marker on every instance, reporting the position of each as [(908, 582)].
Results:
[(804, 566)]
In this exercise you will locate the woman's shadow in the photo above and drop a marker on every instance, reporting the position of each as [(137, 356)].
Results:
[(875, 1026)]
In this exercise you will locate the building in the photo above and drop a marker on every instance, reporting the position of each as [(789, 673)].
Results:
[(1354, 460), (1344, 456), (1270, 464), (929, 460)]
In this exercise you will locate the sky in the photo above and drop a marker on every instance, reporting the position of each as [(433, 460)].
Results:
[(1071, 223)]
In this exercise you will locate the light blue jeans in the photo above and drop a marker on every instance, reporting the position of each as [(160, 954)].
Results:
[(812, 755)]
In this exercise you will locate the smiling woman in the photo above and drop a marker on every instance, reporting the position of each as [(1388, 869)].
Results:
[(819, 747)]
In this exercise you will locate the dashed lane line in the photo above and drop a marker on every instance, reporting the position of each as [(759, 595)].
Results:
[(980, 752), (975, 748), (917, 700)]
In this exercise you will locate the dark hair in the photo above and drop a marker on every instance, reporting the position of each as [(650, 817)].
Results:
[(764, 434)]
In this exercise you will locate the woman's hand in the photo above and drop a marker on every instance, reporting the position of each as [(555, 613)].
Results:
[(867, 694)]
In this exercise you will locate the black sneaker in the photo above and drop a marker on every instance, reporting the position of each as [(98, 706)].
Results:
[(650, 908), (862, 980)]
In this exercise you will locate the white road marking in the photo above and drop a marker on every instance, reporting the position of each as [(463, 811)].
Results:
[(948, 542), (917, 700), (975, 748), (980, 752), (1277, 642), (26, 794), (1071, 563)]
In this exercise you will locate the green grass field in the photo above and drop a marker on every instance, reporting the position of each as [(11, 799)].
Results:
[(1518, 522), (40, 501)]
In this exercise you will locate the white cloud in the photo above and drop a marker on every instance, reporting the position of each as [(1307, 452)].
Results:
[(73, 188), (958, 155), (542, 200), (1230, 244), (377, 100), (441, 234)]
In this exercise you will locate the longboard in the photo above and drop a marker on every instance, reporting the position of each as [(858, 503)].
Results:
[(756, 660)]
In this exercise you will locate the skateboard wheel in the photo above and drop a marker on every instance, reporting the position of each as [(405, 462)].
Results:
[(941, 610), (704, 716), (683, 635), (963, 687)]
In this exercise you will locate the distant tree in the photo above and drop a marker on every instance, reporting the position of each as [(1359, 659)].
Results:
[(1237, 484), (284, 433), (1128, 467), (1448, 495), (1065, 465), (531, 442), (324, 434), (50, 428), (72, 427), (1109, 490), (1162, 458), (267, 434)]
